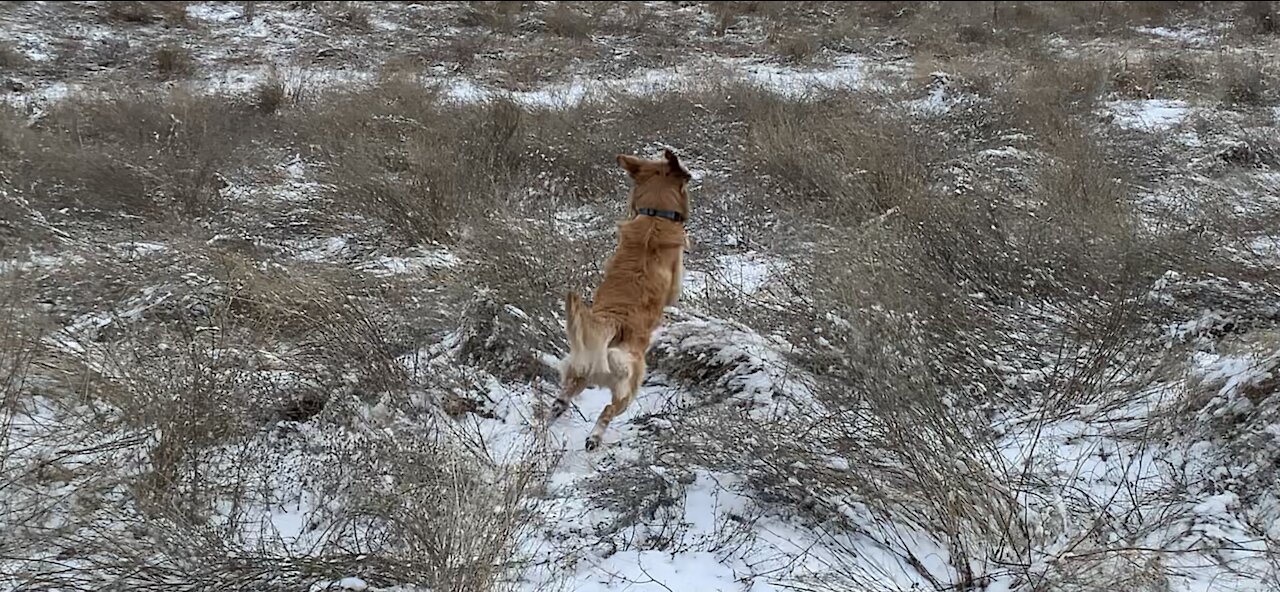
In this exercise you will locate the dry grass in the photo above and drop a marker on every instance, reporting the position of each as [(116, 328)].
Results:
[(411, 184), (499, 16), (1244, 81), (796, 48), (921, 244), (170, 13), (173, 61), (154, 155), (565, 20), (1260, 17), (354, 15), (10, 58), (192, 386), (270, 94)]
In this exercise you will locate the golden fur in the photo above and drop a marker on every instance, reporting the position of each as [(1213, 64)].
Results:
[(608, 340)]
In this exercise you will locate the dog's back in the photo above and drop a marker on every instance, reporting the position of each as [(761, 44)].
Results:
[(628, 305)]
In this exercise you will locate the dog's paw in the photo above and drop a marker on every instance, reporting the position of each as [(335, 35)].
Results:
[(556, 409), (593, 442)]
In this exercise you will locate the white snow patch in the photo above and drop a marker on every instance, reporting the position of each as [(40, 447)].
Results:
[(140, 249), (49, 93), (1185, 35), (847, 72), (216, 12), (1151, 114), (387, 265), (327, 249), (744, 274)]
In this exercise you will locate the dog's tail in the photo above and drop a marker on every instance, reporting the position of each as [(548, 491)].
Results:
[(589, 338)]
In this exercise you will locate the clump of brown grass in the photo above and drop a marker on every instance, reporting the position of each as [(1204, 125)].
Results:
[(1260, 17), (727, 14), (171, 13), (173, 61), (271, 93), (355, 15), (564, 20), (396, 152), (499, 16), (10, 58), (796, 48), (150, 154), (1244, 81), (185, 398)]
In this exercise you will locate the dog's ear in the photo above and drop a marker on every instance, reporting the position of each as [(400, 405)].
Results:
[(631, 164), (673, 162)]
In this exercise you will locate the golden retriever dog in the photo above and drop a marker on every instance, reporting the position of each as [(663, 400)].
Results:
[(608, 340)]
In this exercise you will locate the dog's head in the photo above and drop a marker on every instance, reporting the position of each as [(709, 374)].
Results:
[(658, 184)]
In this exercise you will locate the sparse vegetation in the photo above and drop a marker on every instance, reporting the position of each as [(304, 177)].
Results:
[(1003, 316), (500, 16), (1244, 80), (174, 61), (355, 15), (10, 58), (1260, 17), (271, 93), (170, 13), (564, 20)]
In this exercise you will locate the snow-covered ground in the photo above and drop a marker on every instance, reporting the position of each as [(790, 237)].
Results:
[(315, 453)]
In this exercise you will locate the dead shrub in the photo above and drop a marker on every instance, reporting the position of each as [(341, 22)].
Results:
[(1259, 17), (498, 16), (1047, 95), (270, 94), (796, 48), (155, 155), (566, 21), (173, 61), (821, 168), (1173, 67), (397, 154), (354, 15), (464, 49), (957, 28), (171, 13), (867, 169), (10, 58), (726, 14), (1243, 81)]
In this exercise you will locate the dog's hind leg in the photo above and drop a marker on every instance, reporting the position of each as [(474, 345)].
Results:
[(571, 387), (677, 282), (624, 391)]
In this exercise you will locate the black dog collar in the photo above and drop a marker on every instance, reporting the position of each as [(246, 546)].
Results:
[(668, 214)]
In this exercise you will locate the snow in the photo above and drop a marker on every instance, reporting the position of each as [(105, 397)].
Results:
[(745, 274), (215, 12), (1149, 114), (1152, 492), (847, 72), (400, 265), (140, 249), (46, 93), (327, 249), (351, 583), (1189, 36)]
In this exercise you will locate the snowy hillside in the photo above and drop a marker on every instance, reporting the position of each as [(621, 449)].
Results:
[(981, 296)]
